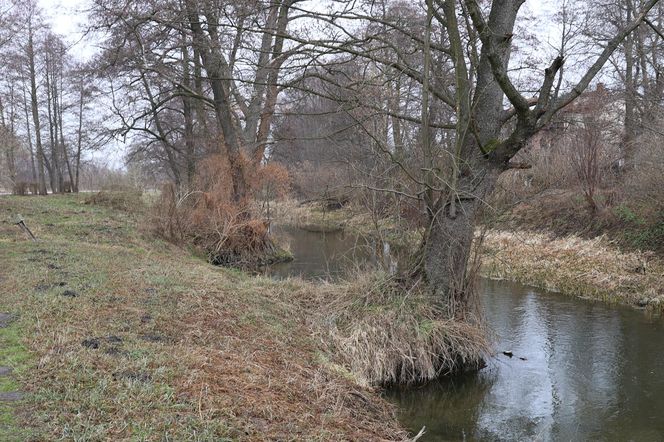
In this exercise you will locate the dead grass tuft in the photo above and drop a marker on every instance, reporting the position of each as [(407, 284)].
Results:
[(125, 199), (387, 332)]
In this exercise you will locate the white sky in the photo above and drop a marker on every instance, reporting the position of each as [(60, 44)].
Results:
[(67, 18)]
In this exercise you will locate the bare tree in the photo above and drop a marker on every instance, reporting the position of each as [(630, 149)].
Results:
[(30, 55), (465, 60)]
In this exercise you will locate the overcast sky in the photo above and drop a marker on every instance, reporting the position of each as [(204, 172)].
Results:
[(64, 15), (68, 19)]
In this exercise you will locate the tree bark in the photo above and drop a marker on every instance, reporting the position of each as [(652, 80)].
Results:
[(55, 171), (630, 98), (79, 137), (482, 157), (213, 62), (448, 244), (187, 111), (41, 158), (63, 145)]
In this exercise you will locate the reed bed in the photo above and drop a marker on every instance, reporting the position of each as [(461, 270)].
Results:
[(588, 268)]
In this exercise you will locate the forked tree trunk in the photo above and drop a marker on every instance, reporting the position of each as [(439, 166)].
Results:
[(452, 217), (207, 44), (481, 158)]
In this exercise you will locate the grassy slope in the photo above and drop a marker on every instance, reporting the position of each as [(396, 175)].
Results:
[(174, 349)]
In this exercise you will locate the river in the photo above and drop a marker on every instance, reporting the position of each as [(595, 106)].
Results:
[(579, 370)]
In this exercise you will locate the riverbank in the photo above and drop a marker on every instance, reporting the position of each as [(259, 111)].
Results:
[(124, 337), (588, 268), (594, 268)]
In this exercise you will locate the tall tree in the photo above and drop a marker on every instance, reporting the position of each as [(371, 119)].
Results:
[(32, 72), (474, 44)]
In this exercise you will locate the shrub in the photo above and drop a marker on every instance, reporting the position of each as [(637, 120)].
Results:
[(227, 232)]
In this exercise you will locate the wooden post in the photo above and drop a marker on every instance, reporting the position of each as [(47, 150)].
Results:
[(21, 223)]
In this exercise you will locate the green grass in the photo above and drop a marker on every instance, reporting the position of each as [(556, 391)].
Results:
[(13, 354), (184, 351)]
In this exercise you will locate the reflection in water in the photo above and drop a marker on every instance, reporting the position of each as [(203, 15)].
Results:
[(327, 255), (591, 372)]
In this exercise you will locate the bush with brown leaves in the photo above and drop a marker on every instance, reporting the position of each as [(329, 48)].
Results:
[(229, 233)]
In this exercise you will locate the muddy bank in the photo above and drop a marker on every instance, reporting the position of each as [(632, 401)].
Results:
[(587, 268)]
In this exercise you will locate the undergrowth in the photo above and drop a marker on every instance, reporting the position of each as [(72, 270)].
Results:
[(229, 233), (640, 232)]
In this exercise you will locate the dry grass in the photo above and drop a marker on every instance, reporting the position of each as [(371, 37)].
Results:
[(383, 332), (159, 345), (316, 218), (126, 199), (227, 233), (596, 268), (589, 268), (209, 218)]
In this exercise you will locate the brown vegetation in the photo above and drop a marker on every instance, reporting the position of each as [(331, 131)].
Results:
[(229, 233), (119, 198), (160, 345), (23, 188), (385, 331), (588, 268)]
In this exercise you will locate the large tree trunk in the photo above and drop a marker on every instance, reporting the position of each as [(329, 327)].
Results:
[(448, 244), (453, 216), (212, 59), (55, 171), (629, 136)]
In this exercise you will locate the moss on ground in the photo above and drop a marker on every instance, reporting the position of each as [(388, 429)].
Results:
[(124, 337)]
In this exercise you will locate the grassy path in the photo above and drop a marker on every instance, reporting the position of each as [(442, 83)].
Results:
[(121, 337)]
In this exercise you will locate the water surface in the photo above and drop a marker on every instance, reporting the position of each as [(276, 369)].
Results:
[(580, 371), (322, 255), (591, 372)]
